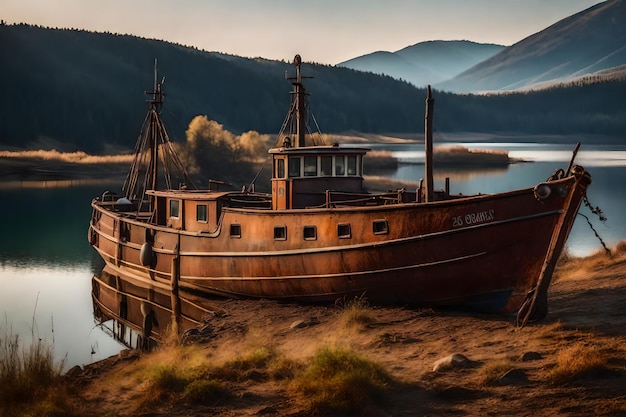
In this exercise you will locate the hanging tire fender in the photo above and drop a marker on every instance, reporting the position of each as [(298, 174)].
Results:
[(145, 254)]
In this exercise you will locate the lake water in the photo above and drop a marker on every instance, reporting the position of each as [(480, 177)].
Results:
[(46, 263)]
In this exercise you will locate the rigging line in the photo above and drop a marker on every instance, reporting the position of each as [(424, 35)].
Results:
[(259, 172), (133, 168), (288, 118), (173, 156), (319, 132), (606, 249), (595, 210)]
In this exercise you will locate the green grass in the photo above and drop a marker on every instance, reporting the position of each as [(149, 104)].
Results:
[(339, 380), (262, 363), (203, 391)]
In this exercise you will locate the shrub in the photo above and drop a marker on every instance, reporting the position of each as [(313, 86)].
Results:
[(338, 380), (260, 364), (202, 391)]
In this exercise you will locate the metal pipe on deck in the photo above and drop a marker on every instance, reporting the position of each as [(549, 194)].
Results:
[(428, 144)]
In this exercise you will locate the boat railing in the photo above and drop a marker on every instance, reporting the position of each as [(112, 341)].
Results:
[(257, 200), (343, 198)]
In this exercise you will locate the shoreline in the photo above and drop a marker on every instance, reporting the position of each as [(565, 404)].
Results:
[(510, 370)]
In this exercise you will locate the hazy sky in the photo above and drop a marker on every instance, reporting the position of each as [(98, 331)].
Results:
[(325, 31)]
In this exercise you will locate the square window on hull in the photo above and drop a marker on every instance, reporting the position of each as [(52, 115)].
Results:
[(280, 233), (344, 231), (310, 233), (235, 230)]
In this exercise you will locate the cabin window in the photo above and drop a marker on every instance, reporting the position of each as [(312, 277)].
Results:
[(280, 168), (326, 166), (381, 227), (174, 208), (339, 165), (343, 231), (310, 166), (202, 213), (351, 164), (294, 166), (235, 230), (280, 233), (310, 233)]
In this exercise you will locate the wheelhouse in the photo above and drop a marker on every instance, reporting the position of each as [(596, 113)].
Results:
[(302, 176)]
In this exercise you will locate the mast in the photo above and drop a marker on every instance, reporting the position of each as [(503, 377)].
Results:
[(155, 158), (293, 132), (299, 92), (155, 108), (428, 144)]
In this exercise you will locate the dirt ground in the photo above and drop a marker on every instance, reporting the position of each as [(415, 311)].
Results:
[(587, 314)]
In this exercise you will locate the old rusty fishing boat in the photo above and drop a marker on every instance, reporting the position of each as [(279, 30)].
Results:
[(320, 236)]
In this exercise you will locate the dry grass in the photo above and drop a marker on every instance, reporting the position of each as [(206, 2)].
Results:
[(577, 362), (462, 155), (30, 381), (332, 380), (492, 372), (356, 313), (379, 161), (462, 150), (78, 157)]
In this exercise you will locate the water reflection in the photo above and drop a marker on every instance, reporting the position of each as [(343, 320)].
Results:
[(12, 185), (139, 313)]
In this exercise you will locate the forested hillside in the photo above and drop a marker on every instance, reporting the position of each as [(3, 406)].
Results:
[(83, 90)]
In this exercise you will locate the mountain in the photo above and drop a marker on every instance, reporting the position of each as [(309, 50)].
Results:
[(584, 43), (86, 89), (426, 62), (78, 90)]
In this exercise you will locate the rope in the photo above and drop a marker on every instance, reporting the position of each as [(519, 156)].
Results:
[(606, 249), (598, 212), (251, 186), (595, 210)]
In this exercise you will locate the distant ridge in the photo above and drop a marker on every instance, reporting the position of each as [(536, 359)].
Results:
[(425, 63), (584, 43), (78, 90)]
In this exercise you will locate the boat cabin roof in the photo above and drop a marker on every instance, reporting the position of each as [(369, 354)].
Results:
[(189, 194), (320, 150)]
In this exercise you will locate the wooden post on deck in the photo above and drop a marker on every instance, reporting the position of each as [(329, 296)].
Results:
[(175, 299), (428, 144)]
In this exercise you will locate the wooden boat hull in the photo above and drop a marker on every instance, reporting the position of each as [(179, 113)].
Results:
[(484, 252)]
